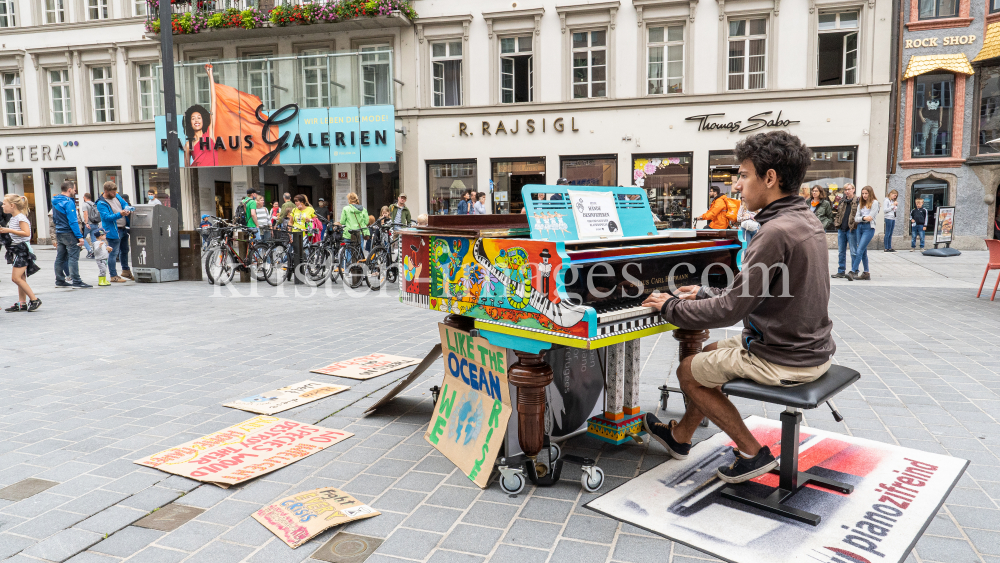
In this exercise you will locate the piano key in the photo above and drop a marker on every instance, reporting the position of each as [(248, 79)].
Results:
[(626, 313)]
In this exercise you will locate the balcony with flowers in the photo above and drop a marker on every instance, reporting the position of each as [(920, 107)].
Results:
[(212, 20)]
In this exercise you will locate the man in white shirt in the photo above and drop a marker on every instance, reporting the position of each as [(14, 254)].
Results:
[(151, 194)]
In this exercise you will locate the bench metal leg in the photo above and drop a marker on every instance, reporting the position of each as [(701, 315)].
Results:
[(790, 480)]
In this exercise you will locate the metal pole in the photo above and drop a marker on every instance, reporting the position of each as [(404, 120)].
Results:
[(170, 107)]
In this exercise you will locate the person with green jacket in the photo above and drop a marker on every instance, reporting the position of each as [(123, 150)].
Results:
[(354, 217), (399, 213), (821, 207)]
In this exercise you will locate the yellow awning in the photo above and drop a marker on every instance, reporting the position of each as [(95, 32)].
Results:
[(922, 64), (991, 44)]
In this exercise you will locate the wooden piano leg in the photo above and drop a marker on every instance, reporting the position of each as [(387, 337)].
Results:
[(530, 374), (690, 343), (460, 322)]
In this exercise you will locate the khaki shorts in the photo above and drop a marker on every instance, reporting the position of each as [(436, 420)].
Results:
[(731, 361)]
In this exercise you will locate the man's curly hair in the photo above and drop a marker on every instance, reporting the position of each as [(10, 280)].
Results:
[(780, 151)]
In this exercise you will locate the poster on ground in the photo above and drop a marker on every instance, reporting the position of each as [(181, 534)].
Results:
[(303, 516), (367, 367), (428, 360), (243, 451), (271, 402), (470, 417)]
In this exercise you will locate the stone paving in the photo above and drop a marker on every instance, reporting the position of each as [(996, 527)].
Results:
[(98, 378)]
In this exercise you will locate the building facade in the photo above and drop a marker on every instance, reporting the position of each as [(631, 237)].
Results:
[(947, 146)]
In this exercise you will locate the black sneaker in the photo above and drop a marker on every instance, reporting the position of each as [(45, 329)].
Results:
[(662, 434), (16, 308), (744, 469), (90, 255), (34, 305), (81, 285), (839, 275), (61, 283)]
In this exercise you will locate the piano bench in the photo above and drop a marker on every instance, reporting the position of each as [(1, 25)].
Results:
[(805, 396)]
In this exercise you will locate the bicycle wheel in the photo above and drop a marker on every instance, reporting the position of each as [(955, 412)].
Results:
[(349, 268), (257, 259), (318, 266), (376, 269), (277, 264), (392, 273), (220, 264)]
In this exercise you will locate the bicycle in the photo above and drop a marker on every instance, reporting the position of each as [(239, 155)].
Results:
[(383, 239), (221, 258)]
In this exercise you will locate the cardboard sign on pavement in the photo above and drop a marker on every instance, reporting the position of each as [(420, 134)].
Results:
[(245, 450), (367, 367), (271, 402), (300, 517), (470, 418), (427, 362)]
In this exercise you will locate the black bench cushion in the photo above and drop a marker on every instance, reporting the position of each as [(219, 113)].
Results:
[(805, 396)]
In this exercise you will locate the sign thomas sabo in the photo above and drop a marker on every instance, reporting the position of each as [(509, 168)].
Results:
[(754, 122)]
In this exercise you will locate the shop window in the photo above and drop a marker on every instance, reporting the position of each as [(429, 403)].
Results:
[(590, 64), (665, 70), (54, 177), (21, 182), (376, 75), (933, 102), (747, 54), (13, 115), (98, 9), (148, 91), (446, 182), (932, 9), (934, 193), (152, 178), (104, 96), (723, 171), (55, 11), (446, 59), (667, 179), (838, 49), (989, 109), (98, 176), (831, 169), (59, 101), (509, 176), (315, 78), (517, 70), (7, 9), (590, 170)]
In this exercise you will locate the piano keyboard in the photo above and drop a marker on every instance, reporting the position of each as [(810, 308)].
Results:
[(415, 299), (631, 325), (625, 313)]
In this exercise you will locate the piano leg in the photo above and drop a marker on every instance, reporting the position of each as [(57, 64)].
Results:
[(632, 368), (621, 420), (690, 342), (530, 375)]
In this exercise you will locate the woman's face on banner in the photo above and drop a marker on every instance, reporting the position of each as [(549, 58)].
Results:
[(196, 122)]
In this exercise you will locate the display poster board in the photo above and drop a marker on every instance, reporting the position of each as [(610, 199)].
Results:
[(243, 451), (470, 418), (303, 516), (428, 360), (944, 226), (367, 367), (596, 215), (271, 402)]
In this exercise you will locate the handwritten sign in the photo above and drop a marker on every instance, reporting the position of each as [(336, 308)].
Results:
[(243, 451), (367, 367), (470, 418), (282, 399), (303, 516), (596, 214)]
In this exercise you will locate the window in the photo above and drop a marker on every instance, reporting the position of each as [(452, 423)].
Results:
[(668, 181), (55, 11), (931, 9), (315, 78), (446, 181), (156, 179), (139, 7), (509, 176), (7, 9), (665, 68), (590, 64), (838, 49), (989, 109), (376, 77), (517, 70), (60, 103), (259, 78), (994, 6), (147, 91), (747, 54), (446, 59), (590, 170), (831, 168), (104, 96), (933, 100), (12, 112), (203, 94), (97, 9)]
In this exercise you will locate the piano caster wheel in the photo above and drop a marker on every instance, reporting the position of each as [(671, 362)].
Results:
[(592, 478), (555, 452), (512, 481), (664, 397), (435, 391)]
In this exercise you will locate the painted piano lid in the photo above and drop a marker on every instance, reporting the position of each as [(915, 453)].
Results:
[(635, 214)]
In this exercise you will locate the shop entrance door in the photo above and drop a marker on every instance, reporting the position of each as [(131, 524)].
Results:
[(223, 200), (23, 183), (934, 194), (509, 176)]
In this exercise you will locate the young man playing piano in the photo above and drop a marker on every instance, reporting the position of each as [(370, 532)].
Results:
[(781, 296)]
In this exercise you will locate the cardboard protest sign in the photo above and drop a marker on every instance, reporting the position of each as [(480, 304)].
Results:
[(367, 367), (303, 516), (285, 398), (428, 360), (245, 450), (470, 418)]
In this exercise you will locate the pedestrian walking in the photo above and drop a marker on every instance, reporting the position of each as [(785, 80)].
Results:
[(126, 238), (867, 210), (68, 236), (91, 221), (717, 210), (263, 220), (101, 257), (400, 213), (821, 207), (889, 207), (843, 221), (114, 210), (19, 254), (918, 222), (354, 217)]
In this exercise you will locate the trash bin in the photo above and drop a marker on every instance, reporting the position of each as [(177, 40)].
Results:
[(190, 256), (154, 244)]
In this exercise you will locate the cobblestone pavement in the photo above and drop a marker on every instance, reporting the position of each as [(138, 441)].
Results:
[(98, 378)]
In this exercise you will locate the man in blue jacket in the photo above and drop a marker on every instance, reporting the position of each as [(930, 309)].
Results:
[(68, 236), (113, 209)]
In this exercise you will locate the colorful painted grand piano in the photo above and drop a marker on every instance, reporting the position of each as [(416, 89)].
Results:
[(571, 272)]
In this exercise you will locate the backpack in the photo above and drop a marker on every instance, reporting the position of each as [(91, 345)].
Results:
[(732, 209), (93, 215), (240, 215)]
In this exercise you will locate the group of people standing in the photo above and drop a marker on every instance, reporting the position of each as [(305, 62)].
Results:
[(472, 203)]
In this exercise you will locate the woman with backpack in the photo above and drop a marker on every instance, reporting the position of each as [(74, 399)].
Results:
[(354, 217)]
